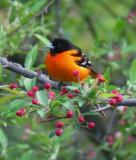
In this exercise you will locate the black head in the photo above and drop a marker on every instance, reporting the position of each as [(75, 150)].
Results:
[(60, 45)]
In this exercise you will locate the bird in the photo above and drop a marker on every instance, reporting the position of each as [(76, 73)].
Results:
[(64, 58)]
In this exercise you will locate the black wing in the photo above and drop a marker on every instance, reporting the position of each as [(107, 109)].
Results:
[(85, 62)]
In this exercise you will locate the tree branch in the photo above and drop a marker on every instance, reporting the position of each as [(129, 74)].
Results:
[(59, 30), (125, 102), (17, 68), (86, 18), (42, 78)]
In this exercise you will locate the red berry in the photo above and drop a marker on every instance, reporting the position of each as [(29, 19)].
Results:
[(59, 124), (21, 112), (100, 78), (110, 140), (130, 139), (112, 101), (13, 86), (70, 114), (35, 101), (76, 91), (47, 85), (115, 92), (58, 132), (70, 95), (76, 73), (119, 98), (35, 88), (81, 119), (51, 95), (63, 91), (91, 125), (30, 93)]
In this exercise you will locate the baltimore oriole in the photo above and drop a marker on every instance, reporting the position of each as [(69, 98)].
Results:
[(64, 58)]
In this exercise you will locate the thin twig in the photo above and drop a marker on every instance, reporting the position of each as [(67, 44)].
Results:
[(125, 102), (107, 8), (57, 118), (52, 119), (59, 30), (87, 18)]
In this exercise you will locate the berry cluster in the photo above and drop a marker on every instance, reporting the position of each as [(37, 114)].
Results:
[(59, 124), (21, 112), (32, 93), (59, 128), (51, 94), (64, 92), (70, 95), (116, 99), (100, 78)]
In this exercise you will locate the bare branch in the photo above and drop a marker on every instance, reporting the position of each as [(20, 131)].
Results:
[(59, 30), (125, 102)]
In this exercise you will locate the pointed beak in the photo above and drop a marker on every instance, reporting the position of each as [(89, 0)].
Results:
[(50, 46)]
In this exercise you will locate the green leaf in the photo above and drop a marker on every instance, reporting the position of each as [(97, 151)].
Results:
[(7, 99), (3, 140), (52, 134), (71, 87), (31, 57), (68, 105), (130, 48), (42, 97), (3, 123), (1, 78), (41, 112), (107, 95), (13, 107), (43, 39), (107, 74), (81, 102), (110, 87), (27, 155), (29, 83), (120, 26), (23, 146), (12, 91), (132, 72)]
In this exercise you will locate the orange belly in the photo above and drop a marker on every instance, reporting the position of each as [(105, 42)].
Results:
[(61, 66)]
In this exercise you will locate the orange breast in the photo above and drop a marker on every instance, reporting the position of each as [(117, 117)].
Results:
[(61, 66)]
